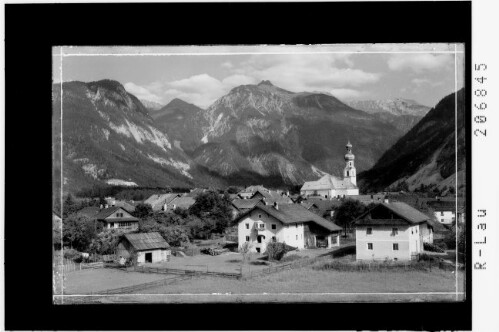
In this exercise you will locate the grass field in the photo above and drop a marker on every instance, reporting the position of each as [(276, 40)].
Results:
[(95, 280), (304, 285)]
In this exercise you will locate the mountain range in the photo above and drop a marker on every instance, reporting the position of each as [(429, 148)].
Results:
[(254, 134), (426, 155), (402, 113)]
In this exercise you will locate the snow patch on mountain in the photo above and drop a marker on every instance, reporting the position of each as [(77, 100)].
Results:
[(106, 133), (182, 167), (118, 182)]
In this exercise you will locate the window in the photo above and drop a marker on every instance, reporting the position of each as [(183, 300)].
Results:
[(442, 220), (274, 226), (395, 231), (296, 225), (442, 213), (369, 231), (258, 250), (247, 238), (297, 236), (259, 216), (247, 226), (274, 239), (369, 246), (395, 246)]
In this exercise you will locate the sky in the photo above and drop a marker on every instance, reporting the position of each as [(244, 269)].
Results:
[(202, 74)]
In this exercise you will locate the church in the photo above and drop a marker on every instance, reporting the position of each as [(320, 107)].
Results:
[(330, 186)]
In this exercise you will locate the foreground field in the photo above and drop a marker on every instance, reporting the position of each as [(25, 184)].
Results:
[(303, 285), (95, 280)]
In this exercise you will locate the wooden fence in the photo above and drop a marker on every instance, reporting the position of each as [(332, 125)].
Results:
[(71, 266), (147, 269), (277, 268), (140, 287)]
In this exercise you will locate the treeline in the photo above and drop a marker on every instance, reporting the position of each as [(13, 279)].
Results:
[(126, 193), (210, 214)]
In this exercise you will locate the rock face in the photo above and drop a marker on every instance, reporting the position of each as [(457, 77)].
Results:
[(183, 122), (109, 137), (255, 134), (402, 113), (265, 134), (426, 155)]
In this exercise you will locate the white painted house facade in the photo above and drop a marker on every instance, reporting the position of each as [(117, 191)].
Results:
[(392, 231), (288, 223)]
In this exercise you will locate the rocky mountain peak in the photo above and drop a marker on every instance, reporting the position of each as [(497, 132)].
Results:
[(265, 82)]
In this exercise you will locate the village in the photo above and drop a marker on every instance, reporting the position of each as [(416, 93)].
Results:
[(235, 242)]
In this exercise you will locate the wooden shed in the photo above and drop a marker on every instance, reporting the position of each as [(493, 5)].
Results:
[(149, 247)]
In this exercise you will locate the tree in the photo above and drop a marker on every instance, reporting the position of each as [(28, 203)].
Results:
[(347, 212), (275, 251), (78, 231), (245, 250), (105, 243), (175, 235), (214, 209), (142, 211)]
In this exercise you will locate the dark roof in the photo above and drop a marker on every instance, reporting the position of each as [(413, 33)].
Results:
[(245, 203), (392, 222), (403, 210), (367, 199), (104, 213), (90, 211), (146, 241), (407, 212), (273, 196), (444, 205), (184, 202), (292, 214), (124, 219)]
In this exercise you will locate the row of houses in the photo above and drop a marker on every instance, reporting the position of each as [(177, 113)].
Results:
[(389, 230)]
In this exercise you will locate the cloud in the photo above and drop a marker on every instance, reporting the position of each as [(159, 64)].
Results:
[(420, 62), (307, 72), (141, 92), (347, 94)]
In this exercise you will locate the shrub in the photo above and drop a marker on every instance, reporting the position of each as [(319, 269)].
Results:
[(275, 251), (432, 247), (73, 255)]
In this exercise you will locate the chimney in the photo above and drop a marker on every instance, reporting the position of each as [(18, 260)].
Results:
[(386, 200), (276, 206)]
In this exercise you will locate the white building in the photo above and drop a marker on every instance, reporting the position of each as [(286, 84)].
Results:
[(330, 186), (292, 224), (392, 231)]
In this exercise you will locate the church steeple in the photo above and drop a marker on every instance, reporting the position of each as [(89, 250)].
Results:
[(349, 171)]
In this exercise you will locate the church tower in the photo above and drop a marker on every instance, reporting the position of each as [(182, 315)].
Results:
[(349, 171)]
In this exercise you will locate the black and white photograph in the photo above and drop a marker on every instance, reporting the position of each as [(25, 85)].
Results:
[(259, 173)]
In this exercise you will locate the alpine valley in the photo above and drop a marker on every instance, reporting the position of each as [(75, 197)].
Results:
[(255, 134)]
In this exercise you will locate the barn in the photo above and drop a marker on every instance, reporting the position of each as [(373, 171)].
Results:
[(149, 247)]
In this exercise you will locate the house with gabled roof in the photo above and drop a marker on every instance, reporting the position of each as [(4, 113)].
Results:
[(292, 224), (149, 247), (248, 192), (392, 231), (182, 202), (158, 202), (271, 196), (116, 217), (444, 209)]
